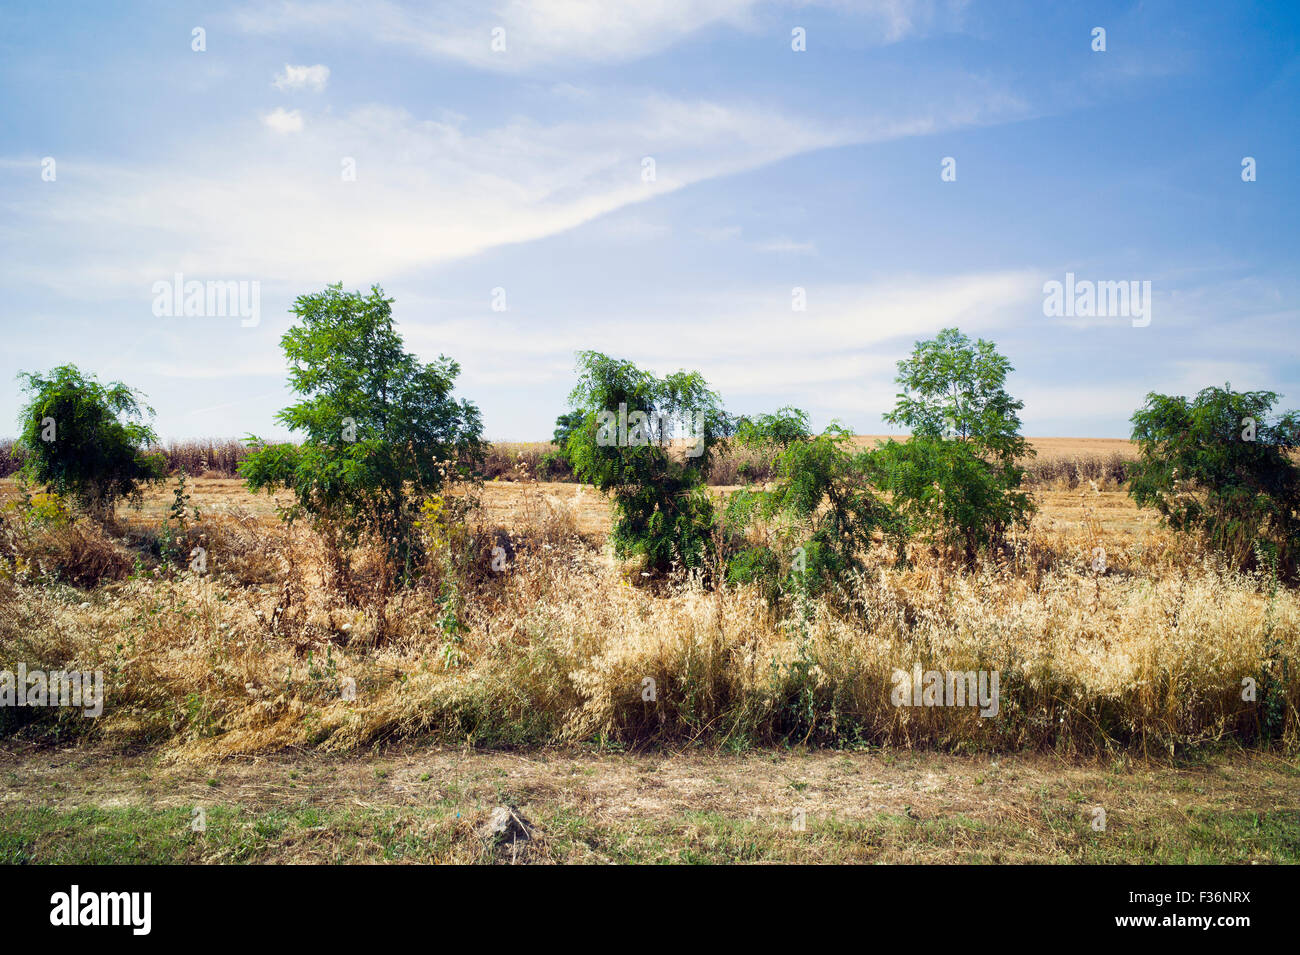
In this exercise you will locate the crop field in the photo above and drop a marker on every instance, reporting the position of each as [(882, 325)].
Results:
[(1120, 692)]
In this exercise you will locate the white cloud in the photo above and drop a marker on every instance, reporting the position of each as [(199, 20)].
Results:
[(542, 32), (536, 31), (720, 233), (426, 191), (633, 229), (311, 78), (850, 335), (1050, 407), (283, 120)]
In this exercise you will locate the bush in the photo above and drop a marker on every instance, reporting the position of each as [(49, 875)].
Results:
[(75, 444), (822, 510), (41, 540), (625, 445), (1215, 468)]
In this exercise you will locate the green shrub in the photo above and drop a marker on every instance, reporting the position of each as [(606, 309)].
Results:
[(822, 511), (382, 430), (1216, 468), (758, 566), (626, 445), (75, 443)]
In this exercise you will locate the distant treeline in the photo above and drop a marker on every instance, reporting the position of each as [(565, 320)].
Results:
[(540, 460)]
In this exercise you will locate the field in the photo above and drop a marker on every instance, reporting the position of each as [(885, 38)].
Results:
[(1121, 690), (1068, 460)]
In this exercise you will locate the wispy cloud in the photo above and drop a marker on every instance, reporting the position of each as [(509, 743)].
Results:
[(787, 246), (840, 334), (517, 35), (424, 191)]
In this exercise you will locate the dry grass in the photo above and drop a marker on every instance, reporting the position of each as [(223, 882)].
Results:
[(1147, 658), (426, 804), (9, 461), (1058, 462), (209, 457), (1066, 462), (206, 458)]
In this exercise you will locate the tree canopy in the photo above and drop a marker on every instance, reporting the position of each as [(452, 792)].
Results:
[(648, 441), (77, 444), (380, 428), (956, 481), (1219, 467)]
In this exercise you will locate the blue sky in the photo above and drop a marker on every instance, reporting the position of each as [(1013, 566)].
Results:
[(522, 169)]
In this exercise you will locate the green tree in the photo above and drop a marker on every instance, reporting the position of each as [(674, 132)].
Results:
[(555, 464), (648, 442), (381, 430), (565, 425), (956, 481), (1217, 467), (822, 510), (77, 444)]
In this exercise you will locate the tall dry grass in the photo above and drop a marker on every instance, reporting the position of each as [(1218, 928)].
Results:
[(207, 457), (733, 465), (556, 647), (1105, 471), (526, 460)]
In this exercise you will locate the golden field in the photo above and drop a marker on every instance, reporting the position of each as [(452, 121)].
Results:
[(1147, 656), (1120, 691)]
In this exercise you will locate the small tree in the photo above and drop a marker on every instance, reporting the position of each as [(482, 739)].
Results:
[(381, 429), (1217, 468), (822, 509), (956, 480), (556, 464), (77, 445), (565, 425), (648, 441)]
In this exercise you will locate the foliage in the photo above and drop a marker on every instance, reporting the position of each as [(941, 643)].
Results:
[(77, 445), (382, 430), (556, 462), (822, 508), (1215, 467), (626, 445), (565, 425), (956, 481)]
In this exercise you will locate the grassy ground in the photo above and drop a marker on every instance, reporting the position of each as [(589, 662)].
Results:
[(222, 696), (427, 805), (1147, 657)]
